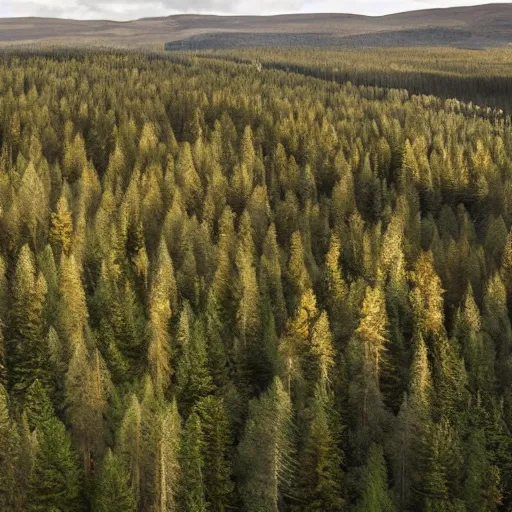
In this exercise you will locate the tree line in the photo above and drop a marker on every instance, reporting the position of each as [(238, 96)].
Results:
[(478, 77)]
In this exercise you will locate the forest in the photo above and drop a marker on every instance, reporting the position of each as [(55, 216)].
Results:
[(477, 77), (238, 281)]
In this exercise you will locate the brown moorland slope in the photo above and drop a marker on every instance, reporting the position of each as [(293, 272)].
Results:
[(477, 26)]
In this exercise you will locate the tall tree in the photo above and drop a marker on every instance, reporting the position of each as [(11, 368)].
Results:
[(163, 287), (10, 452), (266, 451), (27, 350), (216, 453), (192, 494), (375, 495), (113, 493), (55, 482), (322, 476)]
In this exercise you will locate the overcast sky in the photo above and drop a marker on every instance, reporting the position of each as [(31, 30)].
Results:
[(132, 9)]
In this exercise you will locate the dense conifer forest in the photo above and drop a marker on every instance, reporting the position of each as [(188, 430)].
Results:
[(477, 77), (229, 286)]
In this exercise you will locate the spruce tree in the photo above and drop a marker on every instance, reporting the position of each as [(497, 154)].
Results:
[(322, 476), (375, 495), (113, 493), (193, 380), (216, 453), (27, 350), (192, 493), (128, 446), (10, 452), (267, 465), (55, 482)]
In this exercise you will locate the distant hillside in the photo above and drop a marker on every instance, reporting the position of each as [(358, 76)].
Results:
[(478, 26)]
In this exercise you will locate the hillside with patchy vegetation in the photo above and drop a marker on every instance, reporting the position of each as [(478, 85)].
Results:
[(469, 27)]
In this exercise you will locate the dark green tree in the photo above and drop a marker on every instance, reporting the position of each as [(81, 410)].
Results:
[(192, 493), (55, 482), (113, 493)]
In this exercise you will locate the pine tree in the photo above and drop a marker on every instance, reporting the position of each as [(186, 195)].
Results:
[(38, 406), (251, 358), (215, 346), (193, 380), (168, 467), (296, 340), (336, 288), (192, 494), (113, 493), (321, 471), (467, 331), (413, 436), (128, 447), (375, 495), (496, 324), (482, 479), (427, 297), (10, 451), (33, 205), (27, 350), (87, 389), (266, 452), (271, 277), (120, 324), (187, 178), (61, 230), (55, 482), (216, 453), (224, 281), (73, 316), (75, 158), (297, 274), (366, 356), (323, 350), (247, 152), (160, 312)]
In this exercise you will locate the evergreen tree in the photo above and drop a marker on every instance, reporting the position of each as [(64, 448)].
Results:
[(9, 457), (187, 178), (55, 482), (61, 230), (113, 493), (375, 495), (167, 458), (38, 407), (193, 380), (322, 476), (482, 479), (128, 446), (336, 288), (27, 351), (87, 389), (271, 277), (192, 494), (366, 356), (266, 451), (160, 312), (216, 452)]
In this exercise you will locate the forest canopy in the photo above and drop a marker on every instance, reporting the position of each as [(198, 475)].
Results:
[(232, 287)]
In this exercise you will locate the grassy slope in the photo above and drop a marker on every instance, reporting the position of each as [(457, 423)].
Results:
[(487, 25)]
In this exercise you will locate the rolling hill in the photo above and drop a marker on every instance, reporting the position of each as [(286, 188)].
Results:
[(471, 27)]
